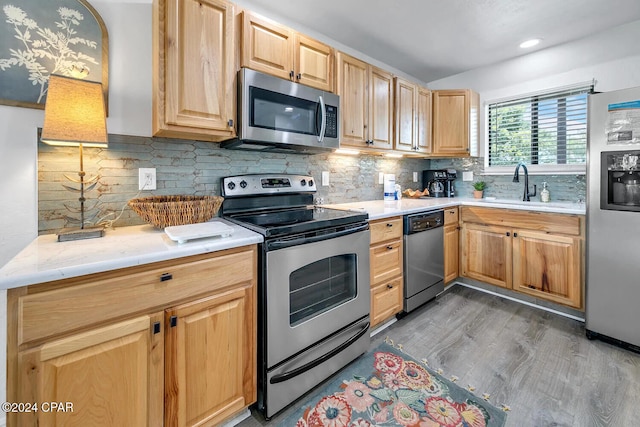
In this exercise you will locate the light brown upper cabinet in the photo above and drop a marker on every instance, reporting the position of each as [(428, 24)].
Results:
[(194, 69), (455, 123), (413, 117), (274, 49), (366, 103)]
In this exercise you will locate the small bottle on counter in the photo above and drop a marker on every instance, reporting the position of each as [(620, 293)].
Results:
[(545, 196)]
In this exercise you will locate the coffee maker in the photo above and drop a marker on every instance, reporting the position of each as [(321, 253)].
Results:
[(439, 182)]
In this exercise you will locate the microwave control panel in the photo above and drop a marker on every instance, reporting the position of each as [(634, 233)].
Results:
[(331, 131)]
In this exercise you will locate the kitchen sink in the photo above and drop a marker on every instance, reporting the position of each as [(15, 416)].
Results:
[(523, 203)]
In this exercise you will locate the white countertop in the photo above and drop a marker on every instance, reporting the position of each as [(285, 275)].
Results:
[(46, 259), (378, 209)]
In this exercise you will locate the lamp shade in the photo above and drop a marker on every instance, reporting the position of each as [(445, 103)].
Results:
[(74, 113)]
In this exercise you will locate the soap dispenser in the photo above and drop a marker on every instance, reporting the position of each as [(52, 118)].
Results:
[(544, 194)]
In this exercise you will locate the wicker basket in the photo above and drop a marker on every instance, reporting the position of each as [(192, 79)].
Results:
[(165, 211)]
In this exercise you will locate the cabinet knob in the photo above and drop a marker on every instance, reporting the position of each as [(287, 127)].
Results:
[(166, 276), (298, 76), (515, 234), (389, 225), (291, 73), (389, 248), (508, 234), (156, 328), (389, 286), (173, 321), (230, 123)]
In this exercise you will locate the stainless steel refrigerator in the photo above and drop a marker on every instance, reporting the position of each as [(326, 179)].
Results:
[(613, 218)]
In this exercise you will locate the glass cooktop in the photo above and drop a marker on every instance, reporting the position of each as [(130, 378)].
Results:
[(288, 221)]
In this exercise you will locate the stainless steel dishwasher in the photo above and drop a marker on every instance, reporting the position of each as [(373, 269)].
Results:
[(423, 258)]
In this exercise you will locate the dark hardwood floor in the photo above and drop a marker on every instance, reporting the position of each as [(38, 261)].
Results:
[(539, 364)]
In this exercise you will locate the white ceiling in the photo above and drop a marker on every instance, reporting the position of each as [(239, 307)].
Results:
[(433, 39)]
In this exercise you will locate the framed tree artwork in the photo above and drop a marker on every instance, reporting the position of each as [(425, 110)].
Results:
[(39, 38)]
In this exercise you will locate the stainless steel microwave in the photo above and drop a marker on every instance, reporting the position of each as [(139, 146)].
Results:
[(282, 116)]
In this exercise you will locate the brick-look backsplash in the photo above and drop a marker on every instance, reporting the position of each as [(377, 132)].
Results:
[(563, 188), (191, 167)]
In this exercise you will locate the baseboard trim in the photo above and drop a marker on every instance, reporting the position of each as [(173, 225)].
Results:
[(384, 326), (550, 310)]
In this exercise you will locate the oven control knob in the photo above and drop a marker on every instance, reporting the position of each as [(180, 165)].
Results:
[(310, 183), (243, 184), (231, 185), (303, 182)]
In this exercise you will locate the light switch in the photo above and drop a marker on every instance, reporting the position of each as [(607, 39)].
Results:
[(467, 176), (415, 177), (381, 178), (325, 178)]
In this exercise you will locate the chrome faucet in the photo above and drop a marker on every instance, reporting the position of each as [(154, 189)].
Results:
[(516, 178)]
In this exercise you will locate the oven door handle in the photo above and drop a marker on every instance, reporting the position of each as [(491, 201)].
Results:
[(307, 367), (281, 244)]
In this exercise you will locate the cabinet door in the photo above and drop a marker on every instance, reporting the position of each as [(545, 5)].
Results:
[(380, 108), (386, 261), (111, 375), (266, 46), (386, 300), (451, 252), (352, 88), (199, 70), (210, 358), (313, 63), (486, 254), (406, 96), (423, 121), (451, 110), (548, 266)]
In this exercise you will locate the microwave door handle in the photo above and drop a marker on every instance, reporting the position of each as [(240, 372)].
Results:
[(323, 119)]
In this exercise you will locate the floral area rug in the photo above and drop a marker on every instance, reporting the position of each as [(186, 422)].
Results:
[(386, 387)]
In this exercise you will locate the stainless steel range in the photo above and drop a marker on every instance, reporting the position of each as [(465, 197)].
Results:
[(313, 293)]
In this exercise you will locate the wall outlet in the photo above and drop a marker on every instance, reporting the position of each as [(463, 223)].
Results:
[(146, 178), (325, 178), (415, 177), (381, 178), (467, 176)]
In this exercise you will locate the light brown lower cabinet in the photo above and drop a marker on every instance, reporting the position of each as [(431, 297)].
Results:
[(536, 253), (171, 343), (451, 244), (387, 279)]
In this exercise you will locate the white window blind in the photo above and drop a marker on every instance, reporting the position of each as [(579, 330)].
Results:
[(541, 129)]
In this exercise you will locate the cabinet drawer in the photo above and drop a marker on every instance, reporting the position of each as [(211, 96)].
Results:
[(386, 261), (540, 221), (450, 216), (98, 298), (386, 229), (386, 300)]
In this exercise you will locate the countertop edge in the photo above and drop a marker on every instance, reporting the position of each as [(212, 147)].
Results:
[(23, 270)]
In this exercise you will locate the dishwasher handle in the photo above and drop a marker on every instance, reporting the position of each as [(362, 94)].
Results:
[(417, 223)]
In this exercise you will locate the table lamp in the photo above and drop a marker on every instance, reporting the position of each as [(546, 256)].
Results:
[(74, 115)]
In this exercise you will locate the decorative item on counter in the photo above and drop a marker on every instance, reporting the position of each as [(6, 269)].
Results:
[(478, 189), (74, 116), (545, 196), (389, 187), (415, 194), (165, 211)]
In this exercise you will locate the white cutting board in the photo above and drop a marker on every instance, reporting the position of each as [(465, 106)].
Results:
[(183, 233)]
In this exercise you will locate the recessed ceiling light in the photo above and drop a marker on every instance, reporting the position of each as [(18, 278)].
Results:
[(529, 43)]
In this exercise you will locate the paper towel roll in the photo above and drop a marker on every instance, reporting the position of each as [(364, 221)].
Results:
[(389, 186)]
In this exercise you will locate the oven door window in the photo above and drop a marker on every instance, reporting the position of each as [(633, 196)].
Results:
[(320, 286), (275, 111)]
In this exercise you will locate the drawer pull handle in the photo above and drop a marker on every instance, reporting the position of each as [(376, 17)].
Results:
[(389, 248), (156, 328), (389, 225), (389, 286), (508, 234), (515, 234), (173, 321), (166, 276)]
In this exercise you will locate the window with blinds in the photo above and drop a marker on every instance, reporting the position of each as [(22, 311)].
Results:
[(542, 129)]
